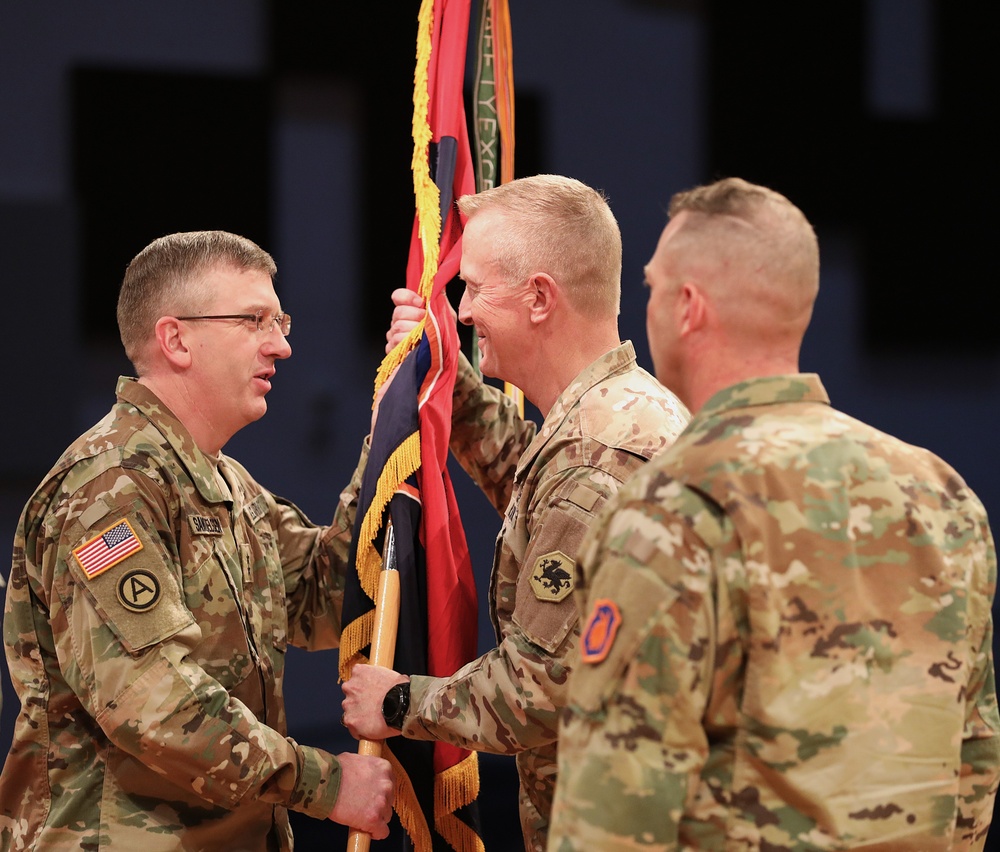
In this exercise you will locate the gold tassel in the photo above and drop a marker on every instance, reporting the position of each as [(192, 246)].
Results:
[(403, 462), (407, 808), (455, 788), (426, 193)]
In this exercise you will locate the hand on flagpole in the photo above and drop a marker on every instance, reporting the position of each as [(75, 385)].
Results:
[(366, 794), (362, 705), (407, 313)]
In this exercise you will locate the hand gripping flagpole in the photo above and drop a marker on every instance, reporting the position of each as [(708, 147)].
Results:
[(383, 650)]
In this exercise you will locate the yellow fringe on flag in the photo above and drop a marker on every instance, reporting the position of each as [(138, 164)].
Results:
[(406, 459), (403, 462), (458, 786), (407, 808), (455, 788), (426, 193)]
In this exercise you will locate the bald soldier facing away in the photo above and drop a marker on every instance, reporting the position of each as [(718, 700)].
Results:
[(155, 587), (788, 635)]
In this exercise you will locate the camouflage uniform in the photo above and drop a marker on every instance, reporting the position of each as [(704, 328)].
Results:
[(787, 646), (604, 426), (152, 711)]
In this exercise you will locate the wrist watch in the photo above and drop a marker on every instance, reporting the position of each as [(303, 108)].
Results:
[(395, 704)]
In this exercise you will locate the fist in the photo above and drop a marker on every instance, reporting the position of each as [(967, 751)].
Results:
[(367, 791)]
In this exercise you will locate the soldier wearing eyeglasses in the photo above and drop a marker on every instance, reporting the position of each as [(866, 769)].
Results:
[(155, 587)]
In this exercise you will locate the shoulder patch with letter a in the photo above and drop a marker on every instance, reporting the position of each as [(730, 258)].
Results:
[(552, 577), (108, 548), (599, 631), (139, 590)]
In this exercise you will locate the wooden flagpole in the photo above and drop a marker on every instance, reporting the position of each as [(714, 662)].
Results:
[(383, 651)]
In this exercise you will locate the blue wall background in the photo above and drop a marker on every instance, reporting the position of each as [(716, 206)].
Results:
[(620, 96)]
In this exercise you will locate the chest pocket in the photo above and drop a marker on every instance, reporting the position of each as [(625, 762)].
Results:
[(268, 598), (212, 596)]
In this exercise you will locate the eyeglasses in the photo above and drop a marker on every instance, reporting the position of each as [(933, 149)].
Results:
[(264, 321)]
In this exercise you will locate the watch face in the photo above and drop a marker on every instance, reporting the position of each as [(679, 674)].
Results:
[(395, 705), (391, 704)]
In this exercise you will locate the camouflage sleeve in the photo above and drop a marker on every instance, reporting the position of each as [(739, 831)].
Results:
[(138, 673), (510, 699), (487, 434), (631, 743), (314, 561), (501, 703), (981, 738)]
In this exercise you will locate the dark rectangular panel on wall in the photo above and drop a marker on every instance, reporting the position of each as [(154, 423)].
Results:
[(785, 98), (372, 46), (43, 386), (788, 108), (157, 152), (928, 208)]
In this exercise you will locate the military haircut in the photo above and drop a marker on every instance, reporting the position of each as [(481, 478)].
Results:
[(559, 226), (783, 236), (755, 250), (166, 277)]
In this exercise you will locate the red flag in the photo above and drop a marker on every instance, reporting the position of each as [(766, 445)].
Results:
[(408, 460)]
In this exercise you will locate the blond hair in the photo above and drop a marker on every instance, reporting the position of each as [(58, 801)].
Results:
[(559, 226)]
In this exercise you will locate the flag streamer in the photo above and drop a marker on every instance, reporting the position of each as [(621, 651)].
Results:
[(493, 119)]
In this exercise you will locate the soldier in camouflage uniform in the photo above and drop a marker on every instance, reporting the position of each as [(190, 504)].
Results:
[(155, 587), (787, 633), (542, 264)]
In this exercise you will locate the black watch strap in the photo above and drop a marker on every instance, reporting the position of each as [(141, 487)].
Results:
[(395, 704)]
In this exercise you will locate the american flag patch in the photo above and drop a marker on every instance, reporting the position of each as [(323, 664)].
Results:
[(109, 548)]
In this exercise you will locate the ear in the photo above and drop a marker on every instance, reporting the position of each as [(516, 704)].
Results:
[(543, 295), (171, 341), (692, 308)]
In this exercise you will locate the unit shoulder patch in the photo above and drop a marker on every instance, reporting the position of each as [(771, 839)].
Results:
[(139, 590), (599, 631), (552, 576)]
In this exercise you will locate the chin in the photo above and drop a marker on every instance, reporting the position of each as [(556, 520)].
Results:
[(256, 412)]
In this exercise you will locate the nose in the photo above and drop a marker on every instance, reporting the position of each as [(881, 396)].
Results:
[(465, 308), (276, 344)]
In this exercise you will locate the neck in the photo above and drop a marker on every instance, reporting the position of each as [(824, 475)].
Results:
[(719, 369), (564, 356), (175, 396)]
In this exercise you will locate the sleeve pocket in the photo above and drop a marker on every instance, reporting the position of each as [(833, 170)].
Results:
[(639, 599)]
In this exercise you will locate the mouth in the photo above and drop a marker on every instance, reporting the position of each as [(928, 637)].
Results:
[(264, 378)]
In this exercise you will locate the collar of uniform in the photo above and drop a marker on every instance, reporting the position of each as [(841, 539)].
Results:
[(770, 390), (618, 360), (197, 464)]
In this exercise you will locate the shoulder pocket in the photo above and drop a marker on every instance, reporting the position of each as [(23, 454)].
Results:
[(638, 599), (134, 590)]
